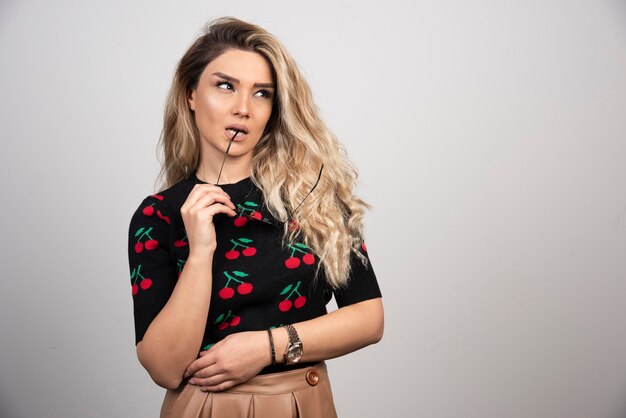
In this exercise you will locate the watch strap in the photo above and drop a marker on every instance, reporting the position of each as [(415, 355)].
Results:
[(293, 351), (292, 333)]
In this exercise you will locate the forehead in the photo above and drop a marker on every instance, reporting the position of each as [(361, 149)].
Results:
[(248, 67)]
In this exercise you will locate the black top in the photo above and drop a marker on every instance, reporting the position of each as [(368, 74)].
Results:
[(257, 282)]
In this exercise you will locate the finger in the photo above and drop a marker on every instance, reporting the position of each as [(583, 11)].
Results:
[(208, 371), (214, 380), (198, 364), (199, 192), (214, 209), (220, 208), (207, 199), (211, 198), (218, 388)]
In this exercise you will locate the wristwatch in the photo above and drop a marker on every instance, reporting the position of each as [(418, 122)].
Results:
[(293, 352)]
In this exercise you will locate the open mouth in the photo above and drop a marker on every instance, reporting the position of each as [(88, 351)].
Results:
[(237, 133), (234, 130)]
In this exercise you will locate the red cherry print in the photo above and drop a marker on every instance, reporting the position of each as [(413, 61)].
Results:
[(243, 244), (135, 289), (301, 249), (288, 292), (292, 262), (148, 210), (165, 218), (299, 302), (240, 221), (223, 320), (244, 288), (226, 293), (157, 196), (256, 215), (151, 244), (145, 283), (139, 247), (285, 305), (232, 254), (364, 247), (249, 252), (179, 243)]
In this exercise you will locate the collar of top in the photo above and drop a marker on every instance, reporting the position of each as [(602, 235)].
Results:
[(248, 199)]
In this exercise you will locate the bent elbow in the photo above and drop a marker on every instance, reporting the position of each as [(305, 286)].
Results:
[(171, 384), (164, 378), (379, 329), (375, 319)]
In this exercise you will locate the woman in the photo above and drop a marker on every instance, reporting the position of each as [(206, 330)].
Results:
[(233, 263)]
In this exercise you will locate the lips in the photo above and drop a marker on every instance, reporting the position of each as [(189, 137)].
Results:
[(231, 130)]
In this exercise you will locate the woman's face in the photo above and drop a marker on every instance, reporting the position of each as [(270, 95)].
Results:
[(235, 91)]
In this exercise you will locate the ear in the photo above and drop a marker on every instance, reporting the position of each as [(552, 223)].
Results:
[(191, 100)]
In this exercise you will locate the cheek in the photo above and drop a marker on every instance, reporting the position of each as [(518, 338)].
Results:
[(265, 112), (214, 107)]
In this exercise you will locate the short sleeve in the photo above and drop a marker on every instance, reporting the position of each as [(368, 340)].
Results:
[(153, 272), (362, 284)]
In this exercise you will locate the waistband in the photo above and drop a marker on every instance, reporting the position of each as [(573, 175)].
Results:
[(283, 382)]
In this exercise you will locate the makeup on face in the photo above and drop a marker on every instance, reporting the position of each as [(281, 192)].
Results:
[(235, 93)]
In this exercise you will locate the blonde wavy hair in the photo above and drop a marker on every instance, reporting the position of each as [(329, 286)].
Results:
[(286, 161)]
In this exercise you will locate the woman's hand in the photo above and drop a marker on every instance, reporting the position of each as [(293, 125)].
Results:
[(233, 360), (203, 202)]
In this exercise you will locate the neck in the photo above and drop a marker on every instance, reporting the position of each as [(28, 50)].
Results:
[(235, 168)]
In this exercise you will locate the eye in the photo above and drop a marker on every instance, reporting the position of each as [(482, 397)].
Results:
[(264, 93), (225, 85)]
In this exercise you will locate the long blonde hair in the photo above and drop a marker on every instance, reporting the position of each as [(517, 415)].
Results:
[(287, 158)]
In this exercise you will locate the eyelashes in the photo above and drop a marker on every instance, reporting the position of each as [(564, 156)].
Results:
[(266, 93), (228, 84)]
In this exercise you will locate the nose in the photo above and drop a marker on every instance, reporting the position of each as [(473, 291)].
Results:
[(241, 106)]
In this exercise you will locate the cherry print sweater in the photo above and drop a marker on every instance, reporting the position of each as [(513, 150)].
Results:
[(257, 282)]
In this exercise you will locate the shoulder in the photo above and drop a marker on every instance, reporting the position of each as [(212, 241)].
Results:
[(163, 207), (167, 201)]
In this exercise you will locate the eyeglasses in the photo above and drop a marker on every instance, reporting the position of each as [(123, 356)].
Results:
[(319, 176), (290, 218)]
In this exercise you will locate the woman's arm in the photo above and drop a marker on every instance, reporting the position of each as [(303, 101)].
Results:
[(337, 333), (174, 337), (240, 356)]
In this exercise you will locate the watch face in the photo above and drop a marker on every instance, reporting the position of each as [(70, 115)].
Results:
[(294, 354)]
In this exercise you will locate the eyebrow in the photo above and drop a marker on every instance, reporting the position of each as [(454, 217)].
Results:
[(236, 81)]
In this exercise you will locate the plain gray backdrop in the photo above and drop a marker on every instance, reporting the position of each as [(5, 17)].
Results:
[(491, 142)]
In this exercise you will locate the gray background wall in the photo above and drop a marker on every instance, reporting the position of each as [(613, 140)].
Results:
[(491, 141)]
